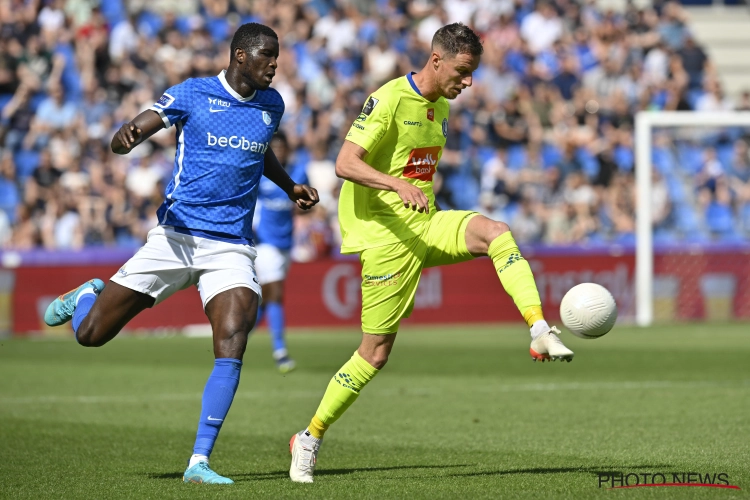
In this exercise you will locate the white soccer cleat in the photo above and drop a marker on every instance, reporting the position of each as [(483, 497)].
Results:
[(549, 347), (304, 457)]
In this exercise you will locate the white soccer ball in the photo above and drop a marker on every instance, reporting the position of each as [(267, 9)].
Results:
[(588, 310)]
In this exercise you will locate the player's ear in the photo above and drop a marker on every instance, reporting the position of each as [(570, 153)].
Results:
[(239, 55), (435, 59)]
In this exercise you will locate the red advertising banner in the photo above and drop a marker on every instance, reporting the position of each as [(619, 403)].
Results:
[(687, 285)]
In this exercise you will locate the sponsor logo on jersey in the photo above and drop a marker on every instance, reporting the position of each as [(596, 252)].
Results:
[(236, 142), (370, 105), (217, 105), (164, 101), (266, 117), (422, 163), (362, 117), (389, 279), (412, 124), (445, 127), (357, 125), (431, 114)]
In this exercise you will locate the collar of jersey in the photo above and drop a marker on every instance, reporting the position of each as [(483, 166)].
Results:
[(413, 85), (225, 84)]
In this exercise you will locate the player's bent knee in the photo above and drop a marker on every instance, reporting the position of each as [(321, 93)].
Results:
[(498, 228), (376, 359), (88, 337)]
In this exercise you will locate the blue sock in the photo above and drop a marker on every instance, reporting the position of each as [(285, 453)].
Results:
[(275, 312), (217, 398), (85, 303)]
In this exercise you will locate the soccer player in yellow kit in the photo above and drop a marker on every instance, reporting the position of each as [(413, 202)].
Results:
[(388, 216)]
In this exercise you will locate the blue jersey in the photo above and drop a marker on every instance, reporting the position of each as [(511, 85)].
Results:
[(275, 209), (222, 139)]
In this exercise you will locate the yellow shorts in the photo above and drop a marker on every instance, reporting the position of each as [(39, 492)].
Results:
[(390, 274)]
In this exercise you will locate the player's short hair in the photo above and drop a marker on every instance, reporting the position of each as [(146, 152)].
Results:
[(248, 35), (457, 38)]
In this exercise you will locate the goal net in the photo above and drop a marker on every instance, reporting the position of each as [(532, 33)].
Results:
[(692, 216)]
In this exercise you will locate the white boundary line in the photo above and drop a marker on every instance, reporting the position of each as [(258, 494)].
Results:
[(404, 391)]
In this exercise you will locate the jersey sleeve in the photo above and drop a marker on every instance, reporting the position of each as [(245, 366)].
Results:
[(175, 103), (372, 123)]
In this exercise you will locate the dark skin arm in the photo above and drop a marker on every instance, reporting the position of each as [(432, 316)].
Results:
[(136, 131), (304, 196)]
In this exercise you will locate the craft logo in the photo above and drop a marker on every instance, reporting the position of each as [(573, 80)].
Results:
[(619, 480), (422, 163)]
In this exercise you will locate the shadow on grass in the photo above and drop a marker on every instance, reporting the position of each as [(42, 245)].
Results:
[(264, 476)]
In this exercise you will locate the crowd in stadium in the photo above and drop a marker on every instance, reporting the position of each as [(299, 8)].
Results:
[(543, 141)]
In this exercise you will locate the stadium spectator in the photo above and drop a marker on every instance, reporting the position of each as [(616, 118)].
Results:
[(555, 96)]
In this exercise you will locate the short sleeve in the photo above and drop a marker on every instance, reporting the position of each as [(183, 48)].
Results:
[(175, 103), (371, 124)]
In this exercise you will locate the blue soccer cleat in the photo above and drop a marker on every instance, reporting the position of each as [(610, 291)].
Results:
[(61, 309), (201, 473)]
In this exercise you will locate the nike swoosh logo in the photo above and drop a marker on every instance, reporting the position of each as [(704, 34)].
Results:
[(212, 110), (215, 419)]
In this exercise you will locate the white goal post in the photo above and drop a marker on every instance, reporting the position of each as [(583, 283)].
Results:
[(645, 121)]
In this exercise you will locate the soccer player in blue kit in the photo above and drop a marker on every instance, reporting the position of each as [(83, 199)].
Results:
[(273, 233), (224, 127)]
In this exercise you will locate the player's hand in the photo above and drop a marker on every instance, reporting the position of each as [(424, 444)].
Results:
[(304, 196), (126, 138), (413, 197)]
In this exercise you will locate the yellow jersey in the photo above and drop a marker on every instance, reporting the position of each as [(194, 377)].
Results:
[(404, 135)]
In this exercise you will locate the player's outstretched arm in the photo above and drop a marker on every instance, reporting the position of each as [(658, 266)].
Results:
[(136, 131), (303, 195), (350, 165)]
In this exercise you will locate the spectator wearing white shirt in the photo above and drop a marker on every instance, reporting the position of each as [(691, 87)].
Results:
[(541, 28)]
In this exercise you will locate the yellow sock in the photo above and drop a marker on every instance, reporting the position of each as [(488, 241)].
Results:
[(516, 277), (342, 391)]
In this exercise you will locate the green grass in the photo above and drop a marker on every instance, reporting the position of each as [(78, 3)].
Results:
[(458, 413)]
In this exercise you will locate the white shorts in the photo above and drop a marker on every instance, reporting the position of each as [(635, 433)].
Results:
[(272, 263), (172, 261)]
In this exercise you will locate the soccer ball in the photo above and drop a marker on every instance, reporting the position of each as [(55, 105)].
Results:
[(588, 310)]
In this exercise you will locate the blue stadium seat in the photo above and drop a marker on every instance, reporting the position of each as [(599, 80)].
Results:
[(465, 190), (484, 154), (720, 219), (675, 188), (690, 157), (26, 162), (624, 158), (589, 163), (517, 157), (724, 153), (9, 198), (663, 160), (148, 24), (551, 155), (686, 219)]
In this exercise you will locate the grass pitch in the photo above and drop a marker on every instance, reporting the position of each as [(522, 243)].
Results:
[(458, 413)]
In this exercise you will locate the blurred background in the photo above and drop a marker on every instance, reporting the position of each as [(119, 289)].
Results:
[(544, 140)]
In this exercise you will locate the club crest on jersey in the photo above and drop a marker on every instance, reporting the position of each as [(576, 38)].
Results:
[(431, 114), (422, 163), (370, 105), (266, 117), (445, 127), (165, 101)]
